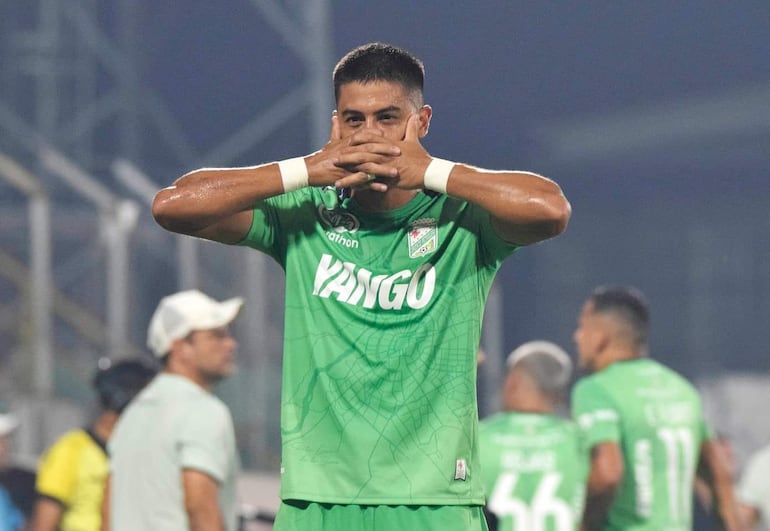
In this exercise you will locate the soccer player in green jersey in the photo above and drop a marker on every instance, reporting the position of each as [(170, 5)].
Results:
[(533, 461), (643, 423), (385, 291)]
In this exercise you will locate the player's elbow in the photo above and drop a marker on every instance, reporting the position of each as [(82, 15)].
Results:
[(549, 206), (168, 208), (551, 213), (554, 216), (162, 209), (558, 213)]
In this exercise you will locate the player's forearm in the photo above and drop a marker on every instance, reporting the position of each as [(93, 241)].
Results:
[(600, 495), (725, 508), (207, 196), (713, 469), (596, 511), (526, 207), (603, 483), (205, 519)]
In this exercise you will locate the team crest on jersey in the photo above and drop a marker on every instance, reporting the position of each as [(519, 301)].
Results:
[(338, 219), (423, 237)]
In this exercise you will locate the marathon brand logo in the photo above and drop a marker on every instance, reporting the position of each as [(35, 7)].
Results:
[(340, 222), (338, 219), (423, 237), (355, 285)]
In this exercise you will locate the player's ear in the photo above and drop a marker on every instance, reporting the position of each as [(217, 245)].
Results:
[(425, 114), (509, 388), (602, 340), (181, 350)]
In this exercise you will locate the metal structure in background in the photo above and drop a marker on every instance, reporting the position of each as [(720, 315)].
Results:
[(68, 81), (118, 219), (39, 266), (75, 112)]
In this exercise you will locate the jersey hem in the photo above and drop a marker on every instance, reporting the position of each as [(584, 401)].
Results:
[(337, 500)]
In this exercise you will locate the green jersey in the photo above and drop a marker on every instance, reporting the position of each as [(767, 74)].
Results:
[(382, 324), (535, 469), (655, 416)]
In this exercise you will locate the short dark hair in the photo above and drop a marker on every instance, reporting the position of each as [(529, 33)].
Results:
[(118, 383), (627, 304), (377, 61)]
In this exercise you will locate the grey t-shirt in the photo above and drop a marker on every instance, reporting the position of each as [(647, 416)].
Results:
[(754, 487), (173, 424)]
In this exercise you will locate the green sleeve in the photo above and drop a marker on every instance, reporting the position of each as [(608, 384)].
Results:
[(595, 412), (273, 224)]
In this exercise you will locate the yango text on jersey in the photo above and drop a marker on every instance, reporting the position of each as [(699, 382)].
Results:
[(355, 285)]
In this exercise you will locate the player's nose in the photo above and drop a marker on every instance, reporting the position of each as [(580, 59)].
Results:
[(372, 126)]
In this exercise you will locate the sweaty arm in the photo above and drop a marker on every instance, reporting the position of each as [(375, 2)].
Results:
[(713, 470), (525, 207), (217, 203), (201, 500), (603, 482)]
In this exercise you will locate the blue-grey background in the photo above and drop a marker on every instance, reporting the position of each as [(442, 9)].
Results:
[(653, 116)]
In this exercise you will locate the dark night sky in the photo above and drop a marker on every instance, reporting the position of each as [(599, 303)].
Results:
[(682, 216)]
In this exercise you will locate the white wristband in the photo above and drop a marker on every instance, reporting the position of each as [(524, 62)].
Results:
[(293, 174), (437, 175)]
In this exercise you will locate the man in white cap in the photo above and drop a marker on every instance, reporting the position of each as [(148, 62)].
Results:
[(533, 461), (173, 455)]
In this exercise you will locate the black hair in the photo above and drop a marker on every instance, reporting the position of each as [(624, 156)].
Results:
[(627, 304), (377, 61), (116, 384)]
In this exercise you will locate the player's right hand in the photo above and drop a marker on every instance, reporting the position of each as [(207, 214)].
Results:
[(336, 162)]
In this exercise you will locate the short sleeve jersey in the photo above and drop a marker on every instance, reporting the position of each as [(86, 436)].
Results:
[(171, 425), (382, 324), (72, 472), (655, 416), (754, 487), (535, 469)]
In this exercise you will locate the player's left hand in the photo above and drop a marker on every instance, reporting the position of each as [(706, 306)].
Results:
[(413, 160), (406, 169)]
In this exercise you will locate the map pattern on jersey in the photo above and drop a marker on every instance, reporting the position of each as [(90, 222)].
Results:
[(655, 416), (535, 469), (382, 324)]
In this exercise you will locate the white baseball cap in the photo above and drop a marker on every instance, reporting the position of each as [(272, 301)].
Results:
[(8, 423), (186, 311)]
